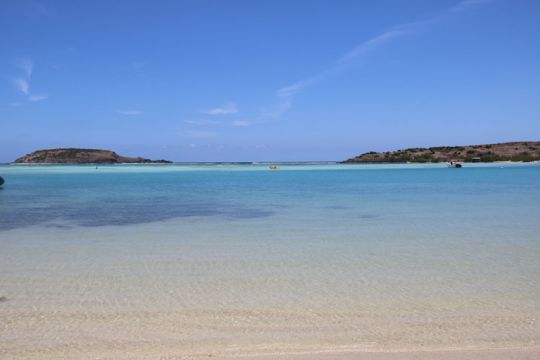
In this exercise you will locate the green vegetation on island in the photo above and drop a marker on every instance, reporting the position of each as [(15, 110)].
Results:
[(81, 156), (525, 151)]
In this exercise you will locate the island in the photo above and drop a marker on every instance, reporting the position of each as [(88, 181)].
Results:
[(82, 156), (524, 151)]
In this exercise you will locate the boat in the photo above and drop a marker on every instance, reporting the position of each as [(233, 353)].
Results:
[(273, 167), (1, 181), (454, 164)]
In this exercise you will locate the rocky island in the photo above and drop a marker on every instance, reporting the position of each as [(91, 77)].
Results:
[(81, 156), (510, 151)]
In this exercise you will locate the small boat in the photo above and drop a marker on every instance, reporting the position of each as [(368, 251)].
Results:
[(273, 167), (454, 164), (1, 181)]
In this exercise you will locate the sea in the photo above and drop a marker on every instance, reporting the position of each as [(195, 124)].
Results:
[(205, 260)]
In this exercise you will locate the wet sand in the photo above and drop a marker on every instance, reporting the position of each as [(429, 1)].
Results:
[(513, 354), (169, 353)]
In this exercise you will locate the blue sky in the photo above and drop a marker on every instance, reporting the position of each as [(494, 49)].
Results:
[(266, 80)]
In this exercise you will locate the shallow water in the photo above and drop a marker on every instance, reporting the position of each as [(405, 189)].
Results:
[(215, 259)]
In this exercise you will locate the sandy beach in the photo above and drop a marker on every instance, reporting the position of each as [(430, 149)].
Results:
[(171, 354), (514, 354)]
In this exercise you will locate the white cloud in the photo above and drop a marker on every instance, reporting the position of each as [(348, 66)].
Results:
[(291, 90), (241, 123), (201, 122), (38, 97), (227, 109), (129, 112), (373, 43), (22, 85), (284, 104)]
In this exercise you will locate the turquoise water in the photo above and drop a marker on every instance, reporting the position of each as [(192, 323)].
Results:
[(237, 258)]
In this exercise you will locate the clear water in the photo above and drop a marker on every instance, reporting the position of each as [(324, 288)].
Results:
[(225, 259)]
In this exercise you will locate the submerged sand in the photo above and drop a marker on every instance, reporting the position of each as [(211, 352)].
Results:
[(395, 264)]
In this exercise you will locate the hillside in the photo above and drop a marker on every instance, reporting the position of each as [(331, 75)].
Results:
[(80, 156), (511, 151)]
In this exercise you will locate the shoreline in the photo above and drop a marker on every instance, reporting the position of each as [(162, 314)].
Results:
[(461, 354), (170, 353), (271, 163)]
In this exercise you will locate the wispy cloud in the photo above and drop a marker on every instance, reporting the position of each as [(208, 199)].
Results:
[(129, 112), (241, 123), (202, 122), (467, 4), (374, 43), (227, 109), (22, 85), (285, 95), (38, 97)]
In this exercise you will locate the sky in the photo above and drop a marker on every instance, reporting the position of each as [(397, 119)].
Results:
[(228, 80)]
